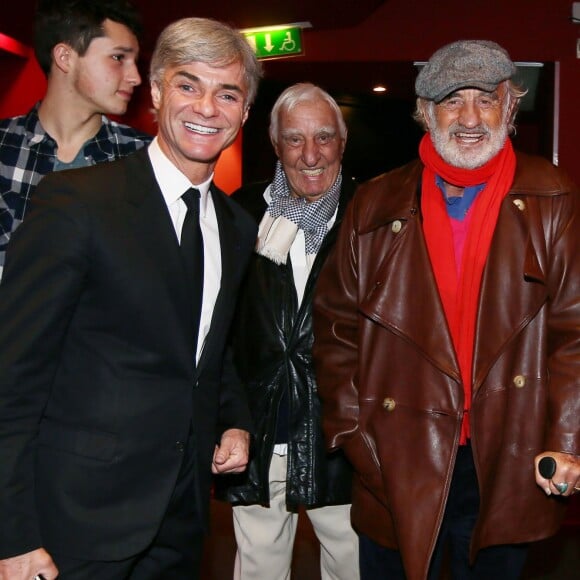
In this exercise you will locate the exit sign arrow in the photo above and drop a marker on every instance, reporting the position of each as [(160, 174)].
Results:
[(268, 45)]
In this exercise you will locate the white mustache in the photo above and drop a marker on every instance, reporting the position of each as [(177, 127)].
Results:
[(479, 130)]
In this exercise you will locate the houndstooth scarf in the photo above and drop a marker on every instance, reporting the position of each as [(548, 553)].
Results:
[(287, 214)]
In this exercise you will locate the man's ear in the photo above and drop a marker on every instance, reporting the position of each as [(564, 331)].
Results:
[(275, 145), (511, 116), (62, 56), (343, 147), (155, 94), (423, 113), (422, 108), (245, 115)]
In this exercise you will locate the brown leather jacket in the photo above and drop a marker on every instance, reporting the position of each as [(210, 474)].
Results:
[(389, 378)]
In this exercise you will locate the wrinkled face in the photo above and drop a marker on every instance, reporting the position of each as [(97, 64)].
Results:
[(470, 126), (310, 148), (200, 110), (105, 76)]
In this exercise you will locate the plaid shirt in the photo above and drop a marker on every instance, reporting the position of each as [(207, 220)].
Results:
[(28, 152)]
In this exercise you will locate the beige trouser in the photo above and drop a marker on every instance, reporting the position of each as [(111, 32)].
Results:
[(265, 536)]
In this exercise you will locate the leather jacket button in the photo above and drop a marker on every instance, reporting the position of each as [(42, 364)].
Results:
[(179, 445), (396, 226), (519, 381), (389, 404), (520, 204)]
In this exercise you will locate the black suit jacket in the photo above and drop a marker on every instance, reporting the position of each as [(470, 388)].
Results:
[(98, 385)]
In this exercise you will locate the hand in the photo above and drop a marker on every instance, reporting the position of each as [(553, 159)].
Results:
[(27, 566), (231, 456), (567, 471)]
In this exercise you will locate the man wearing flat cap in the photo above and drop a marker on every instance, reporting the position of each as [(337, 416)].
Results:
[(447, 337)]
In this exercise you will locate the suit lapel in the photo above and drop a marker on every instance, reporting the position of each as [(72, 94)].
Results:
[(229, 242), (155, 234), (403, 296)]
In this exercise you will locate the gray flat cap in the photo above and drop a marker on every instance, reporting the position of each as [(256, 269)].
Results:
[(479, 64)]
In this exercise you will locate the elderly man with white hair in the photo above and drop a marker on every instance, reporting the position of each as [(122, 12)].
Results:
[(298, 214)]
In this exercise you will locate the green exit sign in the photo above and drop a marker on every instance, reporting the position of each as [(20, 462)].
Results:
[(275, 42)]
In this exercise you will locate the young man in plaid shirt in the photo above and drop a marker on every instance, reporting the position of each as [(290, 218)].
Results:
[(88, 50)]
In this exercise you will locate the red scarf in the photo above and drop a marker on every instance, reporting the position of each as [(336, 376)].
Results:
[(460, 297)]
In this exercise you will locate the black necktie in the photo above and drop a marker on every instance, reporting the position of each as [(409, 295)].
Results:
[(192, 254)]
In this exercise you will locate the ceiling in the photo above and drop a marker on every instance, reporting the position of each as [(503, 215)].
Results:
[(17, 18)]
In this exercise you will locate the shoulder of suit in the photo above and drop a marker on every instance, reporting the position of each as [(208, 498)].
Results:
[(250, 191), (244, 218), (102, 181), (251, 198)]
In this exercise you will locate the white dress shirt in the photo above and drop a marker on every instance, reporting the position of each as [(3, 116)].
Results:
[(173, 184)]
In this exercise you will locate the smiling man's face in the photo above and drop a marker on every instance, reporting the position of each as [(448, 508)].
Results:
[(310, 148), (200, 110), (470, 126)]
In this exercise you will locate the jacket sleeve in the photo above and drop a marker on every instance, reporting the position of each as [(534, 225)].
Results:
[(234, 406), (563, 429), (42, 279), (336, 321), (335, 347)]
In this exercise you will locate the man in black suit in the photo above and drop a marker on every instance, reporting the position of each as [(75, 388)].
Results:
[(116, 399)]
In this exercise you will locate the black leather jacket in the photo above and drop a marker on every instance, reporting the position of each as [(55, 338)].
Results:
[(272, 346)]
